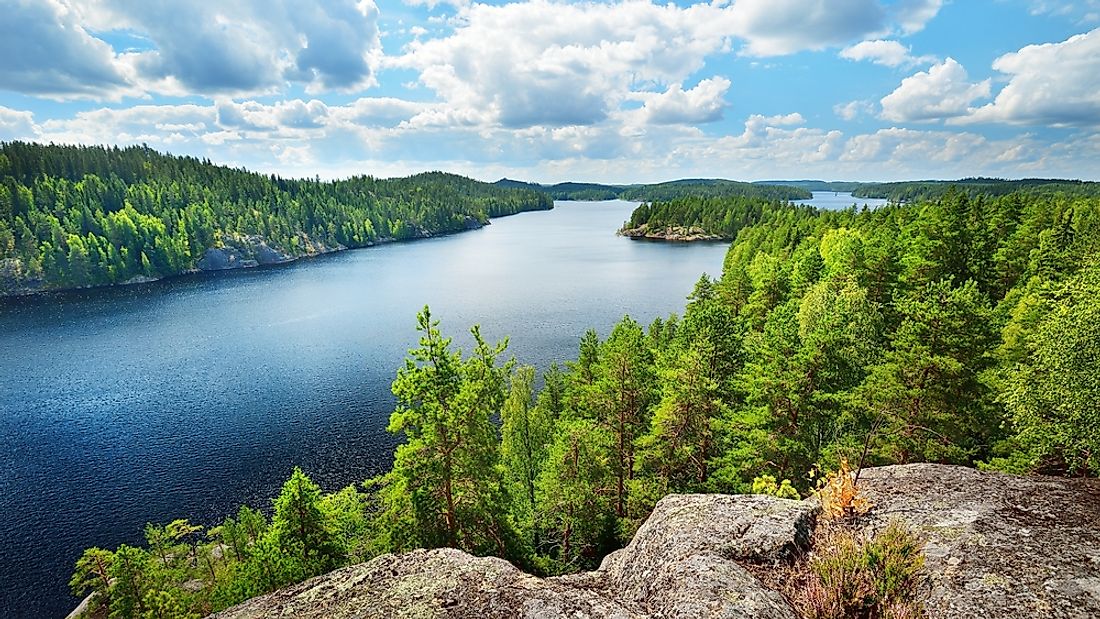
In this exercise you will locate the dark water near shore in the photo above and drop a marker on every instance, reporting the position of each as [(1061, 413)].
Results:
[(185, 398)]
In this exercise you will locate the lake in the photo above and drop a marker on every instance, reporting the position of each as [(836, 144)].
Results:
[(187, 397), (839, 200)]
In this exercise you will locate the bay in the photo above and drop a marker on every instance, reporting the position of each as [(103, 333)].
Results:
[(839, 200), (187, 397)]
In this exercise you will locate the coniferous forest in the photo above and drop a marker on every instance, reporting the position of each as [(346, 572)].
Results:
[(962, 328), (78, 216)]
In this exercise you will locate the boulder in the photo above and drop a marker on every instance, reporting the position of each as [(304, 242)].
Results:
[(996, 546), (220, 259), (682, 563)]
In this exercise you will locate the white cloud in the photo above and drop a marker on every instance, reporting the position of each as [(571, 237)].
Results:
[(16, 125), (46, 51), (254, 45), (776, 27), (701, 104), (196, 47), (943, 91), (554, 64), (1081, 11), (1050, 84), (886, 53), (853, 109), (540, 63), (333, 142), (913, 15)]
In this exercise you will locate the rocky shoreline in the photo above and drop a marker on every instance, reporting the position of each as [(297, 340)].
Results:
[(233, 252), (678, 234)]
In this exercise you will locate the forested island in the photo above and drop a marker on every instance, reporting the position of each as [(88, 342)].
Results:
[(958, 329), (702, 218), (81, 216)]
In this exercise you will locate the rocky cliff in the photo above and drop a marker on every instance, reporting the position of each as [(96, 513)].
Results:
[(996, 546)]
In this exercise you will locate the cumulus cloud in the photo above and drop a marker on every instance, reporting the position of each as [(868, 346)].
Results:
[(886, 53), (547, 64), (544, 63), (775, 27), (196, 47), (943, 91), (701, 104), (46, 51), (1050, 84), (16, 124), (252, 45)]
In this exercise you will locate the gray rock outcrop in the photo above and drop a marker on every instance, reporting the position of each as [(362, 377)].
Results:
[(238, 252), (682, 234), (997, 547), (682, 563)]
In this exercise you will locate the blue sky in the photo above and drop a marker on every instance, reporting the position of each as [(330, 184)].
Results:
[(549, 90)]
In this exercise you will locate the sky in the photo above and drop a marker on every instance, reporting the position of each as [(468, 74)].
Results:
[(554, 90)]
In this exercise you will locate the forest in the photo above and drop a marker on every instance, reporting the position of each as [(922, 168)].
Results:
[(912, 190), (79, 216), (959, 329)]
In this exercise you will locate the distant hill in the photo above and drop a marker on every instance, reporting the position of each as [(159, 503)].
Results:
[(670, 190), (912, 190), (812, 185)]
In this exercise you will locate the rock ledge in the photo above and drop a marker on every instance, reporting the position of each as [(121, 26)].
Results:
[(997, 546)]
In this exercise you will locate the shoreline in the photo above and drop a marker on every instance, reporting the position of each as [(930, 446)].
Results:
[(239, 265), (672, 234)]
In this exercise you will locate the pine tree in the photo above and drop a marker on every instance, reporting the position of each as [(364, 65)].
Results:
[(299, 527), (446, 487)]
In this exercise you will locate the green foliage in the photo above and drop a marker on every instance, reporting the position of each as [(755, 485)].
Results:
[(76, 216), (766, 484), (526, 430), (663, 191), (576, 496), (446, 487), (914, 190), (300, 527), (1053, 393)]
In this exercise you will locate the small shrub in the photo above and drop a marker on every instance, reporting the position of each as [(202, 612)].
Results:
[(766, 484), (850, 577)]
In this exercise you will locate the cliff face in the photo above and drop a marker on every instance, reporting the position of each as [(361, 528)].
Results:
[(996, 546)]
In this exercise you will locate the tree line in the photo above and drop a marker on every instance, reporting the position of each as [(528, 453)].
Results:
[(904, 191), (76, 216), (670, 190), (962, 329)]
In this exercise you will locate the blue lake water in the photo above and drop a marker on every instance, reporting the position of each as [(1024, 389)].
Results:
[(838, 201), (187, 397)]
